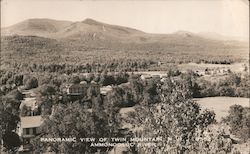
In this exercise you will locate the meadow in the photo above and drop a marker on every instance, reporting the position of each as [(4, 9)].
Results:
[(220, 105)]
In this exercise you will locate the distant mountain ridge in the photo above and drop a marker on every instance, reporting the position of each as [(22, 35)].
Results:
[(55, 28), (90, 33), (37, 27)]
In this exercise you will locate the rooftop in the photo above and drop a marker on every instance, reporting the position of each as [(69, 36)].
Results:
[(83, 82), (31, 121), (104, 90)]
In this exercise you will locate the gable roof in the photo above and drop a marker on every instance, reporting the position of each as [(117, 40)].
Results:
[(29, 102), (31, 121)]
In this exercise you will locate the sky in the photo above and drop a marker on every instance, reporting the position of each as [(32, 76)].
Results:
[(225, 17)]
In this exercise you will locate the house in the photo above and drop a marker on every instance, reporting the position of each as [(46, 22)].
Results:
[(146, 76), (124, 85), (77, 89), (29, 128), (104, 90), (81, 89)]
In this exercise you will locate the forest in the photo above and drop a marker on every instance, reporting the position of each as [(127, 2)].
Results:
[(35, 53)]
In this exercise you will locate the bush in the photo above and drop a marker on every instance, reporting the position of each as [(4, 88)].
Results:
[(11, 141), (30, 82), (15, 94), (239, 121), (75, 80)]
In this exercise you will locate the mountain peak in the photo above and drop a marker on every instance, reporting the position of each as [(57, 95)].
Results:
[(36, 26), (90, 21), (38, 19)]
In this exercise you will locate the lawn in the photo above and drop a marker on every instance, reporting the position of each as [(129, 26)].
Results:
[(221, 105)]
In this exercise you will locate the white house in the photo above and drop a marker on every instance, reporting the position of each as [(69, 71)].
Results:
[(104, 90), (28, 129), (30, 126)]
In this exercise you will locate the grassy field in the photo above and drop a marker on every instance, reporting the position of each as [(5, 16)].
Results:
[(221, 105)]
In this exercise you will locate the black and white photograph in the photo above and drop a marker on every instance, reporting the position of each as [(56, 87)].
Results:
[(124, 77)]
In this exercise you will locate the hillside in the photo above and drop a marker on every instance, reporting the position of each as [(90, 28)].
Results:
[(90, 26), (114, 42), (89, 31), (37, 27)]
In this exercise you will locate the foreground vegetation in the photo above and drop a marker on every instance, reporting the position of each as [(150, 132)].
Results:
[(163, 109)]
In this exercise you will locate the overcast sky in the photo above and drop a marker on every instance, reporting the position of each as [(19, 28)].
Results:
[(226, 17)]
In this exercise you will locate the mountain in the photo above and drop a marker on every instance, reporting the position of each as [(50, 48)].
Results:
[(62, 29), (90, 29), (46, 41), (37, 27), (93, 34)]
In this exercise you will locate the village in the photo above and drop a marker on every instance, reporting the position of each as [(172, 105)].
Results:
[(31, 118)]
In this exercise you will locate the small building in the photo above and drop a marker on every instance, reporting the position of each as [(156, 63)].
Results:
[(77, 89), (124, 85), (82, 88), (29, 128), (146, 76), (104, 90)]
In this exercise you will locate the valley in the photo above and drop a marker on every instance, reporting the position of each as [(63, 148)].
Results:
[(91, 79)]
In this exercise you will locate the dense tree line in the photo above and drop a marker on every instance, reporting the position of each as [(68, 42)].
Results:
[(216, 61), (18, 50), (68, 68), (9, 118), (233, 85)]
